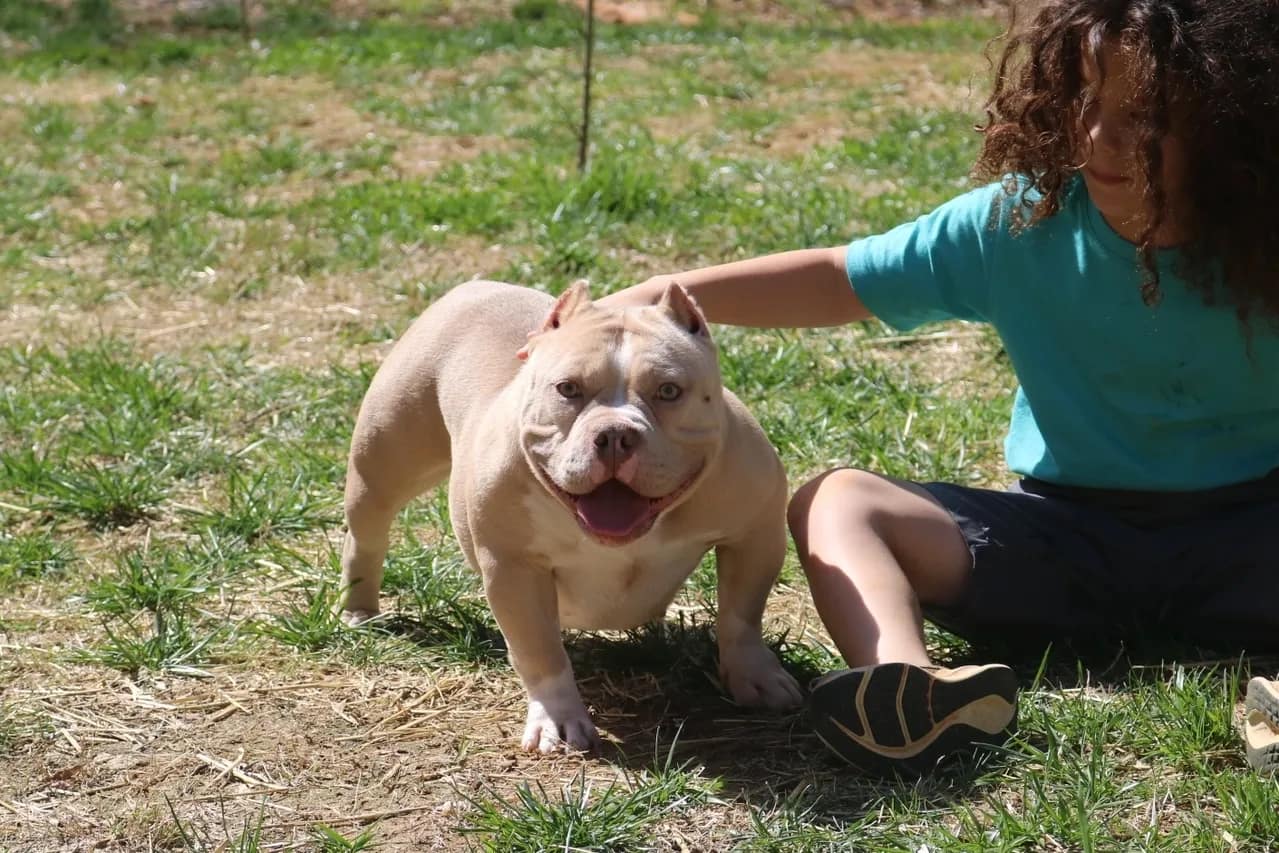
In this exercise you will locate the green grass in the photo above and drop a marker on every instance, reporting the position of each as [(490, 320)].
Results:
[(441, 605), (584, 815), (150, 619), (31, 556), (206, 246), (309, 625), (169, 644), (265, 504), (158, 582), (329, 840)]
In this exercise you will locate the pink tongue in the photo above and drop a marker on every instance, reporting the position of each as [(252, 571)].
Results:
[(613, 509)]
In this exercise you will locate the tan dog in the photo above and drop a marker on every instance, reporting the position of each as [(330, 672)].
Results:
[(593, 459)]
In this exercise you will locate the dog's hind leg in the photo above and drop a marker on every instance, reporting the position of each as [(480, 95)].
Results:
[(397, 452)]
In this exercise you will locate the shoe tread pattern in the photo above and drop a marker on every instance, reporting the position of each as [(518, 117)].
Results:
[(898, 719)]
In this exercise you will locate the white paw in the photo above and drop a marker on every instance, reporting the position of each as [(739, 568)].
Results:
[(351, 618), (569, 727), (755, 678)]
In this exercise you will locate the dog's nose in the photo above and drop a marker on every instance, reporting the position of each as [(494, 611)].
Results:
[(615, 444)]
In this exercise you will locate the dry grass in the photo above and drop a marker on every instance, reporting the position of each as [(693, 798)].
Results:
[(302, 744), (298, 321)]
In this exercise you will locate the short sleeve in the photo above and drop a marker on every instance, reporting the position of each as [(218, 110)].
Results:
[(935, 268)]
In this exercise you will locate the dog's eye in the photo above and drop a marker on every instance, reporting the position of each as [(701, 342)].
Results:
[(568, 389), (668, 391)]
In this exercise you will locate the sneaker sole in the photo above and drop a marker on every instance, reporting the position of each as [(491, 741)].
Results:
[(1261, 725), (861, 715)]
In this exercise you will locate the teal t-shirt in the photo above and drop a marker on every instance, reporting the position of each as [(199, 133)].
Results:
[(1113, 393)]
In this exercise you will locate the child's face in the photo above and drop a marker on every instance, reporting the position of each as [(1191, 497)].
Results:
[(1111, 168)]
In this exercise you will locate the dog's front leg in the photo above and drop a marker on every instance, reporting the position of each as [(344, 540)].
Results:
[(746, 570), (524, 601)]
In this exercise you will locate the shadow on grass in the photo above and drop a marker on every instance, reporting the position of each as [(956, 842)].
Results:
[(1116, 662), (656, 696), (457, 635)]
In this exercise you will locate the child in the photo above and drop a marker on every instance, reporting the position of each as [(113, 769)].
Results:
[(1127, 253)]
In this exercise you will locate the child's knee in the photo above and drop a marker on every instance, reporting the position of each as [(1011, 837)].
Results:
[(831, 503)]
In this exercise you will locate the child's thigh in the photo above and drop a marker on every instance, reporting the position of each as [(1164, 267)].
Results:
[(1043, 569), (1226, 569), (838, 517)]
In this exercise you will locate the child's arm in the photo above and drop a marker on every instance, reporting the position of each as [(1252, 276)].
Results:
[(798, 289)]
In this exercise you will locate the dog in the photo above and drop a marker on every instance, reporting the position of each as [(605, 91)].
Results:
[(593, 457)]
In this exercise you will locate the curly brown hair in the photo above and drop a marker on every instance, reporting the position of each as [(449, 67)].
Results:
[(1208, 71)]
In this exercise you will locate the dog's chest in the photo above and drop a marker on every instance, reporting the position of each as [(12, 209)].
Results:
[(611, 587)]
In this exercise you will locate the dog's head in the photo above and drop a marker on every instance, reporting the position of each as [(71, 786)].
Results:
[(623, 410)]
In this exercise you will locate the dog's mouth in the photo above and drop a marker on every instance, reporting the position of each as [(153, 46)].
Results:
[(613, 513)]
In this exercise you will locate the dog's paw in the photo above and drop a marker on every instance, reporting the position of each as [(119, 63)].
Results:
[(352, 618), (568, 729), (755, 678)]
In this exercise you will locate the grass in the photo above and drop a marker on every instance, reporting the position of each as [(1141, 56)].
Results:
[(18, 727), (329, 840), (163, 583), (207, 246), (617, 818), (30, 556)]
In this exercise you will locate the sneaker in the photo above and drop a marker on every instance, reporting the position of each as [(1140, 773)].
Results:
[(900, 719), (1261, 725)]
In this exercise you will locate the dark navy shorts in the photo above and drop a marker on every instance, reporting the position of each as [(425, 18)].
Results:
[(1090, 568)]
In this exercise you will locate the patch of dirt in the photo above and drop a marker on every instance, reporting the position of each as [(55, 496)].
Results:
[(96, 202), (314, 106), (327, 319), (400, 749), (70, 90), (811, 131), (667, 128), (11, 121), (419, 156), (323, 115), (85, 261), (337, 747), (439, 13), (310, 109), (639, 12), (426, 84)]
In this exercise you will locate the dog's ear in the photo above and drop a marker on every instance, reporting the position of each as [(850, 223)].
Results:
[(570, 302), (573, 299), (683, 310)]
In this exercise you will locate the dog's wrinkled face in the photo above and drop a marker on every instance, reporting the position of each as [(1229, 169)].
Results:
[(622, 410)]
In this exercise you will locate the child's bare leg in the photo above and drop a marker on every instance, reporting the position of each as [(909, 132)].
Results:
[(873, 548)]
